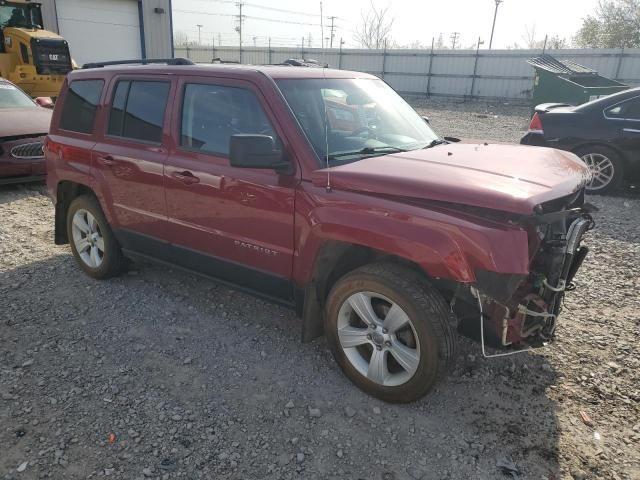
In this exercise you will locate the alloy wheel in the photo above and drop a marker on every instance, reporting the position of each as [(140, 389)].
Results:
[(378, 338), (602, 170), (87, 238)]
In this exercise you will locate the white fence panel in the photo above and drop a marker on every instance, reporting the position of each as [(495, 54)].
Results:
[(498, 73)]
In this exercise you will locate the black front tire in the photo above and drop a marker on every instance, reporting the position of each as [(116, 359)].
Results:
[(429, 315)]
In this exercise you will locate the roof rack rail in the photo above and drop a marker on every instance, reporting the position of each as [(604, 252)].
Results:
[(219, 60), (141, 61), (301, 62)]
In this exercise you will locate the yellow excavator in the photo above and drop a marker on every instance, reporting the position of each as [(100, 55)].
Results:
[(31, 57)]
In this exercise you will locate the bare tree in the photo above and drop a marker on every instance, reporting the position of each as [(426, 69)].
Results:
[(439, 44), (556, 42), (529, 37), (375, 28), (180, 38)]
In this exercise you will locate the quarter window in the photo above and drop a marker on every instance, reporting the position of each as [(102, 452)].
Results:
[(80, 105), (137, 110), (627, 110), (212, 113)]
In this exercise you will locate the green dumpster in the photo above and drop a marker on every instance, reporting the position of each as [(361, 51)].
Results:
[(568, 82)]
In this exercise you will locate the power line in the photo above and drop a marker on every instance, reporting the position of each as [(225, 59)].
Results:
[(264, 7), (251, 17)]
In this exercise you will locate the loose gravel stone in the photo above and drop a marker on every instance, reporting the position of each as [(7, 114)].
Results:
[(315, 412)]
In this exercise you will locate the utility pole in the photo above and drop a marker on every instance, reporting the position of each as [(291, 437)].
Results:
[(199, 37), (321, 27), (219, 40), (239, 27), (495, 14), (454, 39), (332, 18)]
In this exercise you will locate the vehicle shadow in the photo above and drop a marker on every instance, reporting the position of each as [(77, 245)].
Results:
[(170, 355)]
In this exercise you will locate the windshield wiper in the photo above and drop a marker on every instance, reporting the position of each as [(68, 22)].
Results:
[(368, 151), (437, 141)]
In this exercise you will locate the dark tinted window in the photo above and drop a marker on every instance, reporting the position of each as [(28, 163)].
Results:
[(137, 110), (629, 109), (212, 113), (116, 116), (80, 105)]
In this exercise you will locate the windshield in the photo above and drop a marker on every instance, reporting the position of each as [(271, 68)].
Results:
[(25, 16), (364, 117), (13, 97)]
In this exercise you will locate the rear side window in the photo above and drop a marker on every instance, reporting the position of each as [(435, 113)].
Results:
[(137, 110), (212, 113), (627, 110), (80, 105)]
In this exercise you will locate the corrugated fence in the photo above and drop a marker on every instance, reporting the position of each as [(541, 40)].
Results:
[(490, 74)]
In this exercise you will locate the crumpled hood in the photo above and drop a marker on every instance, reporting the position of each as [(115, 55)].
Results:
[(24, 121), (511, 178)]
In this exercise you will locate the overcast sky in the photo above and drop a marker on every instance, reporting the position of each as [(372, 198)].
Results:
[(414, 20)]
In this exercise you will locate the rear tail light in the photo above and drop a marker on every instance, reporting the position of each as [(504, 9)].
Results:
[(536, 124)]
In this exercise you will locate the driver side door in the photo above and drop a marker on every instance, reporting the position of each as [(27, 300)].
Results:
[(228, 222)]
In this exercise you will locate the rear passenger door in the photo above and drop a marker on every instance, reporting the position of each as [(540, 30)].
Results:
[(626, 117), (233, 223), (129, 157)]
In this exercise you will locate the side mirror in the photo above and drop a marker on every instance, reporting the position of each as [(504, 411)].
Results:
[(256, 151), (44, 102), (426, 120)]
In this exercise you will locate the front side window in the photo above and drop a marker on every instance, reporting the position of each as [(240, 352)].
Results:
[(12, 97), (80, 105), (212, 113), (626, 110), (354, 118), (137, 110), (25, 16)]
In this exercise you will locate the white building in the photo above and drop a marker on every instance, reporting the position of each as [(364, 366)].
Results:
[(101, 30)]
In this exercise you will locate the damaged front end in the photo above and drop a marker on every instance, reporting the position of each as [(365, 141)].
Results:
[(522, 310)]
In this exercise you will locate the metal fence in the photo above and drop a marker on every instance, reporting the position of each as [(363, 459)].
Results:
[(489, 74)]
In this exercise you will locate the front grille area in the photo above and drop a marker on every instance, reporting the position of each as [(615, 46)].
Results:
[(28, 151), (51, 56)]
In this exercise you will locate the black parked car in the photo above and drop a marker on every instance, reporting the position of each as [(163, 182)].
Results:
[(605, 133)]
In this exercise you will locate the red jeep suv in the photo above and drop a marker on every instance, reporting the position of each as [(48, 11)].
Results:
[(323, 190)]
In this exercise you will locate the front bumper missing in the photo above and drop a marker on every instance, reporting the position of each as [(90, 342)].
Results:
[(525, 312)]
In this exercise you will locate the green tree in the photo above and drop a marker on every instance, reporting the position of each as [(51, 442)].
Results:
[(615, 24)]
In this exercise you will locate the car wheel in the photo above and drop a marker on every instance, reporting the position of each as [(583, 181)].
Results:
[(605, 166), (390, 332), (92, 242)]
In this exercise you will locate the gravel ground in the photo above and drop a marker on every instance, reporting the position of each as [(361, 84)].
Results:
[(161, 374), (498, 121)]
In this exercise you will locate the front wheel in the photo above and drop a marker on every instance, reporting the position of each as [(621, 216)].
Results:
[(390, 332), (605, 166)]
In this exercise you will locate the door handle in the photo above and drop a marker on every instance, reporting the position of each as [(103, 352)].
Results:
[(631, 130), (106, 160), (185, 177)]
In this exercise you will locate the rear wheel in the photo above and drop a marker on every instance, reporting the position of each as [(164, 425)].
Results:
[(92, 242), (390, 332), (605, 166)]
